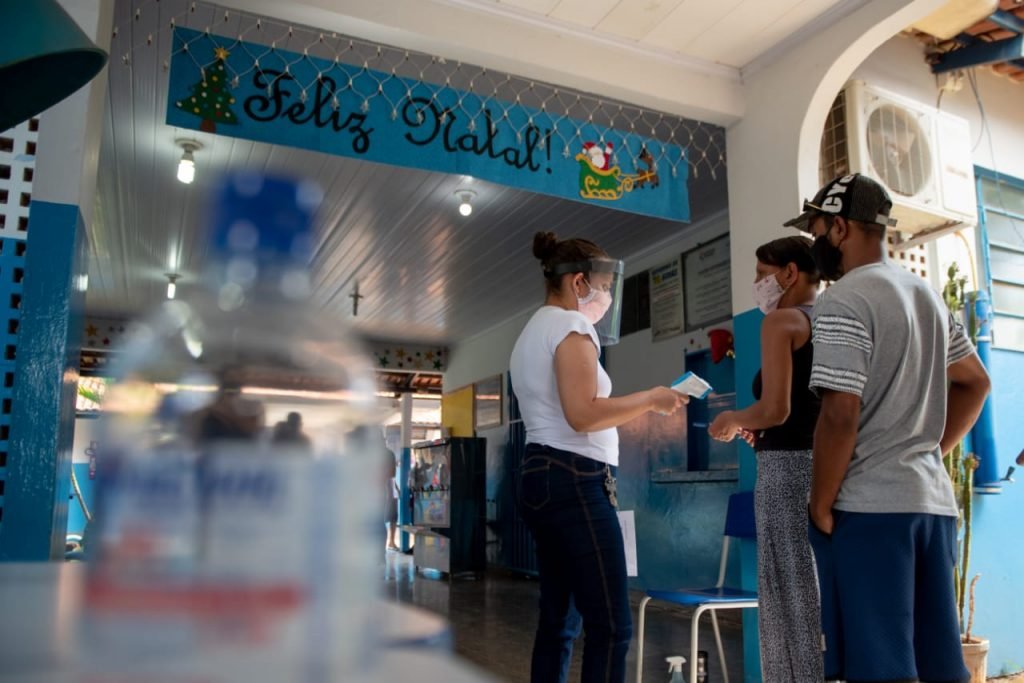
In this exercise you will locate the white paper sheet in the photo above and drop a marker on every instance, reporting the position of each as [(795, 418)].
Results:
[(628, 524)]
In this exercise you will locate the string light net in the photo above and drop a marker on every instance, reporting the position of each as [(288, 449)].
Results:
[(273, 49)]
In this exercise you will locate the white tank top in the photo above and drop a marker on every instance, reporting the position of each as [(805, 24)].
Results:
[(532, 367)]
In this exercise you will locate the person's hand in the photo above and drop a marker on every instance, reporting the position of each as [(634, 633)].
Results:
[(822, 519), (665, 401), (723, 428)]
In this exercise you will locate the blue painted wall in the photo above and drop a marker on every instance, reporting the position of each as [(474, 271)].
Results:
[(45, 384), (679, 524), (997, 550), (747, 339)]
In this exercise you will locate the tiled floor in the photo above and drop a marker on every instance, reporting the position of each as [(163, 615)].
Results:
[(493, 621)]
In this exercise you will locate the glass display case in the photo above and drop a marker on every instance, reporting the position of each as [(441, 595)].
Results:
[(447, 493)]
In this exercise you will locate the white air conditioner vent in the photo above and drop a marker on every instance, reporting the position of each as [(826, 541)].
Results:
[(899, 150), (921, 155)]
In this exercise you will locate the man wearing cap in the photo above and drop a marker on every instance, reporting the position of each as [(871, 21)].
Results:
[(900, 385)]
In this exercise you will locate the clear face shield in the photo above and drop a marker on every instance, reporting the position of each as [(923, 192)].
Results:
[(599, 298)]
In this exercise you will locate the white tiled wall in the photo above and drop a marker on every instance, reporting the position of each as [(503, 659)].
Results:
[(17, 165)]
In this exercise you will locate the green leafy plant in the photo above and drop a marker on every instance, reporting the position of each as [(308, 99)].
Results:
[(960, 465), (89, 394)]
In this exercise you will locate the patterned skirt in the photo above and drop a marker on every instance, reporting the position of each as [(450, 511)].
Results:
[(789, 609)]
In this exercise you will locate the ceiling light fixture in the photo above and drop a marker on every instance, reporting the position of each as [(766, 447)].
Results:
[(187, 165), (172, 288), (465, 198)]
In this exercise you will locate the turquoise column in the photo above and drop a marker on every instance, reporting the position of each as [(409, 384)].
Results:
[(747, 341), (42, 402), (48, 189)]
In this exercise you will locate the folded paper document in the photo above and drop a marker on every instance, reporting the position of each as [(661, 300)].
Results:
[(692, 385)]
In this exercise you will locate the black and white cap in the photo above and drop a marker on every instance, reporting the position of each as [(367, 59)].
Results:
[(854, 197)]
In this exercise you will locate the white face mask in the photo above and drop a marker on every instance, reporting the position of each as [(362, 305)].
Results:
[(594, 305), (767, 293)]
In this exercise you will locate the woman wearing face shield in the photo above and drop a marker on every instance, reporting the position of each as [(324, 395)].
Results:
[(780, 427), (566, 491)]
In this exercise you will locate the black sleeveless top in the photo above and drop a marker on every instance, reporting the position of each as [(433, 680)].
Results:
[(797, 432)]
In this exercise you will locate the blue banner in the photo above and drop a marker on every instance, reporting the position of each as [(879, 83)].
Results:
[(217, 85)]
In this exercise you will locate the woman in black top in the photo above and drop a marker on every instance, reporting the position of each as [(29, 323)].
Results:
[(780, 427)]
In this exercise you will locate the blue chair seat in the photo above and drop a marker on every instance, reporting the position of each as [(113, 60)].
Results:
[(702, 596)]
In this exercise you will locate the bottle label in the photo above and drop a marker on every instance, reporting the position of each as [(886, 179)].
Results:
[(230, 554)]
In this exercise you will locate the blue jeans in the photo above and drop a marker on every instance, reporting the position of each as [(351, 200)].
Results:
[(562, 498)]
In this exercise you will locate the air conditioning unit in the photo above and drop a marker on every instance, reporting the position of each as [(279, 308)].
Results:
[(921, 155)]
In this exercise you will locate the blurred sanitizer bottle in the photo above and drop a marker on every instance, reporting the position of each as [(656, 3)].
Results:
[(675, 669), (233, 535)]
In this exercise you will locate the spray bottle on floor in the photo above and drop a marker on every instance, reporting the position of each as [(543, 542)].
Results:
[(675, 668)]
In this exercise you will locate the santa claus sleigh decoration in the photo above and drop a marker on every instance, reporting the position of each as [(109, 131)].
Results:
[(600, 180)]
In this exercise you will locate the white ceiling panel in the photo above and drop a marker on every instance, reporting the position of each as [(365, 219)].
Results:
[(690, 20), (538, 6), (730, 32), (745, 33), (742, 29), (634, 19), (586, 13)]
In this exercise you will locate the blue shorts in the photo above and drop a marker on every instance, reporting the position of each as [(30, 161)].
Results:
[(887, 600)]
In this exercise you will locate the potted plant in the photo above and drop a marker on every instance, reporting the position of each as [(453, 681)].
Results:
[(960, 466)]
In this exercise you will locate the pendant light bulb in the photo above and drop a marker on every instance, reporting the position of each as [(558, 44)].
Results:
[(187, 168), (465, 201), (187, 164), (172, 287)]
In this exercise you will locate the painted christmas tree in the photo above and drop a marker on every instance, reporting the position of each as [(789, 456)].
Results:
[(211, 98)]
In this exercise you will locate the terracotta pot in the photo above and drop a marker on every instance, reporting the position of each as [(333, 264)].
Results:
[(976, 658)]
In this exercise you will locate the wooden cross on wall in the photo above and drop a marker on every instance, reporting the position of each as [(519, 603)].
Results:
[(355, 296)]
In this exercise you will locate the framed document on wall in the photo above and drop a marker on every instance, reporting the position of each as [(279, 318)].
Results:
[(666, 295), (487, 403), (707, 284)]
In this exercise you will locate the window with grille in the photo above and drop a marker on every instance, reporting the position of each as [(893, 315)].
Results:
[(835, 154), (914, 259), (1001, 219)]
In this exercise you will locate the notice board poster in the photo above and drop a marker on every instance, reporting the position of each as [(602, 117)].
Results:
[(707, 284), (666, 301)]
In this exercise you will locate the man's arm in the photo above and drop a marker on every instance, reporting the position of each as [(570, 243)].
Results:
[(968, 386), (834, 439)]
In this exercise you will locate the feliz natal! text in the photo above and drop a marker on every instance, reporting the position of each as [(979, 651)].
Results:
[(275, 101)]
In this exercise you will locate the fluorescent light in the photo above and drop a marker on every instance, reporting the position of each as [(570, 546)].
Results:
[(172, 288)]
